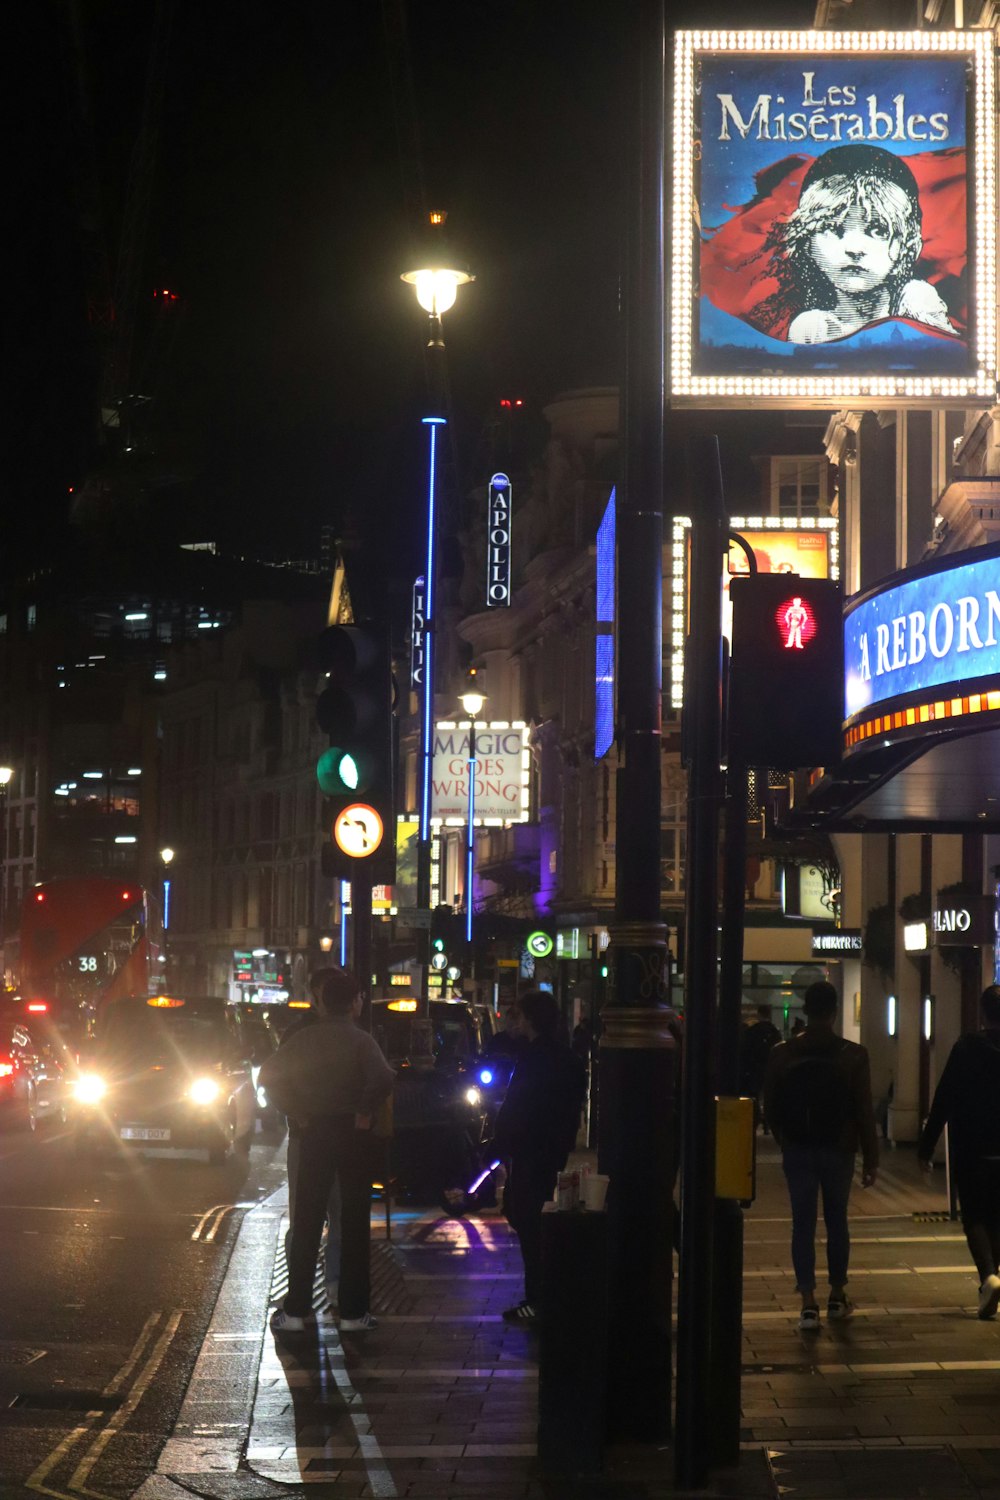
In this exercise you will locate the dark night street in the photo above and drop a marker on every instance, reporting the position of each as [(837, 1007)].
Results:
[(110, 1273)]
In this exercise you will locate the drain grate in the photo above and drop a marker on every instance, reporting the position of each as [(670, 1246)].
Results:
[(933, 1216), (65, 1400), (12, 1355)]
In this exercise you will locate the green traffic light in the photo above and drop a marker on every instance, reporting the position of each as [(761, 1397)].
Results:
[(439, 944), (337, 772)]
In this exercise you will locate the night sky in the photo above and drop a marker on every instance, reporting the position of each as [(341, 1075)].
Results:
[(293, 164)]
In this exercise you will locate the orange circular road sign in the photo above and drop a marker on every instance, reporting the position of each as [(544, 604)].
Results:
[(358, 830)]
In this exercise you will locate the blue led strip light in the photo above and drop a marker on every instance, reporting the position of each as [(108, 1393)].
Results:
[(427, 725)]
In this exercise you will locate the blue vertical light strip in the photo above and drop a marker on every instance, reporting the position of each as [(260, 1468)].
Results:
[(604, 640), (427, 726), (345, 887), (166, 904), (470, 852)]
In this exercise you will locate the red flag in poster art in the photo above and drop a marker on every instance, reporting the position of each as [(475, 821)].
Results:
[(742, 259), (834, 230)]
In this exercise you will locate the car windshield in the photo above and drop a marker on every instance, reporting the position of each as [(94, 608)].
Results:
[(400, 1035), (134, 1032)]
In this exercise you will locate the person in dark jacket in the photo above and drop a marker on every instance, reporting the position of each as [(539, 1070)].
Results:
[(755, 1048), (966, 1101), (329, 1079), (535, 1132), (818, 1101)]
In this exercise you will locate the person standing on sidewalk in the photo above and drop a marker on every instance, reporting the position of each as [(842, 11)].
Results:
[(535, 1131), (818, 1103), (966, 1100), (329, 1079)]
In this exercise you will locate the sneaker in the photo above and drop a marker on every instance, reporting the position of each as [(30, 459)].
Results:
[(286, 1322), (989, 1297), (809, 1320), (522, 1313), (358, 1325), (839, 1308)]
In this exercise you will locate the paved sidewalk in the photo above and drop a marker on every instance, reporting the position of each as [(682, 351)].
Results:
[(440, 1400)]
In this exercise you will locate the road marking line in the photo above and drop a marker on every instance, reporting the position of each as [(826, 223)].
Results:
[(217, 1208), (227, 1208), (35, 1481), (142, 1382)]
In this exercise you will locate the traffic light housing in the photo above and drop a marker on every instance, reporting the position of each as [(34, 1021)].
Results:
[(786, 678), (356, 773)]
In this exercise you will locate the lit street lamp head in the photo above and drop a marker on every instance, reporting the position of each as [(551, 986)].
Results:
[(6, 773), (437, 277)]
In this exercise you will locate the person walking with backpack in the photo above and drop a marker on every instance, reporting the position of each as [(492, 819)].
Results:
[(966, 1101), (818, 1103)]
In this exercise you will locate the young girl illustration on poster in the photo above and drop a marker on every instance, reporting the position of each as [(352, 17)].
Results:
[(845, 256)]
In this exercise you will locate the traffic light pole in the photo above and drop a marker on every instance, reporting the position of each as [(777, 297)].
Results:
[(727, 1271), (361, 913), (702, 726)]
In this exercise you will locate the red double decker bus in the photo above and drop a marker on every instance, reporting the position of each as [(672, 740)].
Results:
[(86, 941)]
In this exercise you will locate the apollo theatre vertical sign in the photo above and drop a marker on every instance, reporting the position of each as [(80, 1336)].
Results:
[(834, 218), (498, 502)]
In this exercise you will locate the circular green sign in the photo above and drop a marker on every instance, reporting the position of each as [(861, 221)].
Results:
[(539, 944)]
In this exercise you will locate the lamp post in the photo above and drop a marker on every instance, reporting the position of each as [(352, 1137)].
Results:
[(166, 855), (436, 280), (6, 775), (472, 701)]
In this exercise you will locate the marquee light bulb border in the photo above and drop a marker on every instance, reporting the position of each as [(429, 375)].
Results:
[(679, 576), (688, 389)]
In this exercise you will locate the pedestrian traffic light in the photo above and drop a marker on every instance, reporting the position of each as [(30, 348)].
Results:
[(354, 709), (786, 679)]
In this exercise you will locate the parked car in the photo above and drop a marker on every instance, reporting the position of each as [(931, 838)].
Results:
[(32, 1067), (168, 1072)]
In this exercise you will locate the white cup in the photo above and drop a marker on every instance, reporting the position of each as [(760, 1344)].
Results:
[(595, 1190)]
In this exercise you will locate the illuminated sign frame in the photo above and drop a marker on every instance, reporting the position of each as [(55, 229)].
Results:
[(880, 387), (679, 577), (925, 633), (521, 772), (498, 538)]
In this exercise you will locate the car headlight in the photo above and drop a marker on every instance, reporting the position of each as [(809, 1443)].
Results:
[(472, 1096), (89, 1089), (204, 1091)]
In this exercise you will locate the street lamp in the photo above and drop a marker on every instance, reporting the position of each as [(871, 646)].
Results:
[(6, 775), (472, 701), (436, 280), (166, 856)]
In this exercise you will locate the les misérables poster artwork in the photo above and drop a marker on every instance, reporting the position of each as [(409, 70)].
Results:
[(833, 199)]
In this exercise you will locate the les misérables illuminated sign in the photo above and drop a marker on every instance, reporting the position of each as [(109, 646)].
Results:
[(924, 649), (498, 542), (834, 219)]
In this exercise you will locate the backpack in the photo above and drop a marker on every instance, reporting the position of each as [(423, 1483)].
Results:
[(812, 1099)]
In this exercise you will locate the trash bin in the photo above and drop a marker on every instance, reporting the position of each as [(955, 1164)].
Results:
[(573, 1342)]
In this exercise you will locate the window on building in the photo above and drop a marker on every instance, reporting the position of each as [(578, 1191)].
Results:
[(799, 487), (673, 835), (32, 616)]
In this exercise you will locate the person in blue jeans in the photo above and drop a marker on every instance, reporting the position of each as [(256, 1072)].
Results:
[(818, 1102)]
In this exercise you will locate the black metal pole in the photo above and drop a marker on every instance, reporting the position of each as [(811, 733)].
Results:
[(637, 1050), (361, 912), (702, 744), (727, 1277)]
